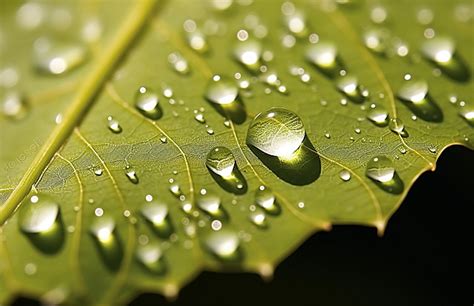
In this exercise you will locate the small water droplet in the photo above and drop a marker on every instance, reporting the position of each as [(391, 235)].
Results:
[(210, 204), (249, 54), (466, 111), (381, 169), (378, 14), (349, 85), (277, 132), (147, 102), (324, 56), (432, 149), (59, 60), (114, 125), (131, 174), (223, 244), (221, 91), (199, 117), (378, 116), (265, 198), (178, 63), (197, 40), (163, 139), (345, 175), (14, 106), (258, 218), (98, 171), (39, 216), (175, 189), (150, 256), (397, 126)]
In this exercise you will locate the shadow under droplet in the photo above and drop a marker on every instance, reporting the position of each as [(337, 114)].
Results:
[(394, 186), (426, 109), (235, 111), (111, 251), (456, 68), (302, 168), (50, 241), (235, 183)]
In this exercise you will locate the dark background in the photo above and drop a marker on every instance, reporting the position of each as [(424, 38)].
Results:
[(424, 258)]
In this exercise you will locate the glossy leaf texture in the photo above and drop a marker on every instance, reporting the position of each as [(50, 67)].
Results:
[(170, 138)]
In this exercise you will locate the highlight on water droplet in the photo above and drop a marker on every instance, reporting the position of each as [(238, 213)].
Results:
[(39, 215), (415, 96), (277, 132), (381, 170), (223, 244), (58, 60), (156, 213), (221, 90), (114, 125), (103, 230), (376, 40), (441, 51), (147, 103), (258, 218), (324, 56), (378, 116), (210, 203), (466, 111), (150, 256), (349, 85), (249, 54)]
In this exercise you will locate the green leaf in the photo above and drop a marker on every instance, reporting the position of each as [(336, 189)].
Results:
[(75, 184)]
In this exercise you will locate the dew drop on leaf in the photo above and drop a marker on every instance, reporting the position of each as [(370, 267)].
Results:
[(178, 63), (277, 132), (131, 174), (38, 216), (103, 229), (380, 168), (349, 85), (221, 161), (375, 40), (258, 218), (221, 90), (249, 54), (61, 59), (114, 125), (265, 198), (147, 103), (150, 256), (345, 175), (223, 244), (210, 204), (397, 126), (14, 106)]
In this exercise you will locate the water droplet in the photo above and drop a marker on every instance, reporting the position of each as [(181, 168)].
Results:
[(210, 204), (131, 174), (378, 14), (249, 54), (178, 62), (175, 189), (381, 169), (163, 139), (199, 117), (375, 40), (30, 269), (324, 56), (14, 106), (114, 125), (221, 161), (150, 256), (216, 225), (223, 244), (258, 218), (221, 90), (30, 15), (296, 23), (266, 199), (103, 229), (157, 214), (397, 126), (415, 96), (467, 112), (277, 132), (147, 102), (441, 51), (39, 216), (432, 149), (197, 41), (379, 116), (345, 175), (349, 85), (61, 59), (98, 171)]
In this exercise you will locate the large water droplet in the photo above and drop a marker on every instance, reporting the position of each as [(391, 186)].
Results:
[(441, 51), (157, 214), (114, 125), (382, 171), (150, 256), (324, 56), (221, 90), (379, 116), (349, 85), (147, 102), (14, 106), (415, 96), (249, 54), (223, 244), (59, 60), (277, 132), (38, 216)]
